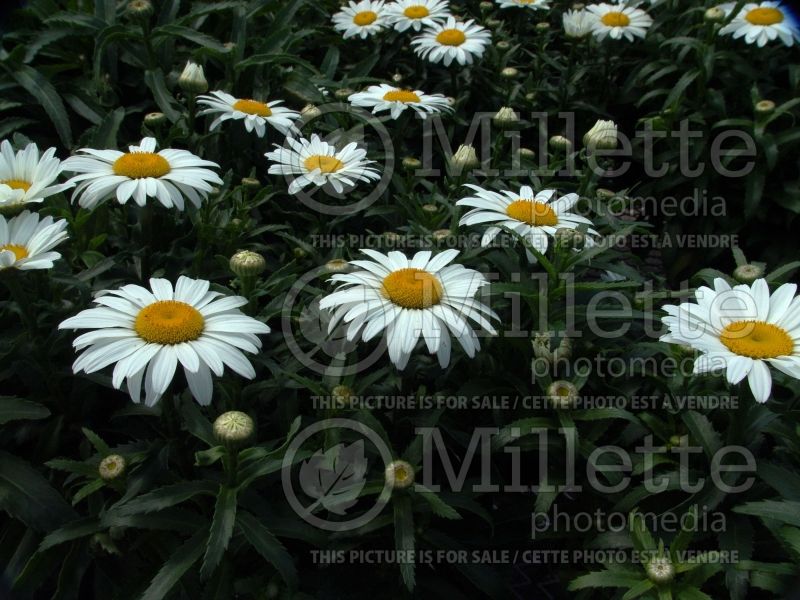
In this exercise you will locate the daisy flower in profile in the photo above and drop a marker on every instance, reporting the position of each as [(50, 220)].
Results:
[(316, 162), (255, 114), (452, 40), (405, 14), (386, 97), (408, 299), (147, 332), (742, 330), (26, 241), (362, 19), (577, 23), (141, 173), (533, 4), (535, 217), (29, 175), (619, 21), (759, 23)]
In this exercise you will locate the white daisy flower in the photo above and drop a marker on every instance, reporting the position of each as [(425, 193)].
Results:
[(26, 241), (255, 114), (617, 21), (742, 330), (29, 176), (409, 298), (316, 162), (577, 23), (386, 97), (135, 327), (759, 23), (535, 217), (452, 40), (405, 14), (533, 4), (141, 173), (362, 19)]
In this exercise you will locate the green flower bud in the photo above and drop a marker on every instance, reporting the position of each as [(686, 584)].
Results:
[(233, 427), (246, 263)]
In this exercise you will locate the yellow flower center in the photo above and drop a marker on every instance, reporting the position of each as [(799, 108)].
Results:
[(765, 15), (532, 213), (401, 474), (401, 96), (138, 165), (451, 37), (756, 339), (416, 12), (17, 184), (252, 107), (412, 288), (169, 322), (366, 17), (326, 164), (20, 252), (616, 19)]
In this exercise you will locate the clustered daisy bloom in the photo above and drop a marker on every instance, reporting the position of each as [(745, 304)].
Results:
[(422, 296), (255, 114), (619, 21), (742, 330), (26, 241), (362, 19), (386, 97), (452, 41), (26, 176), (316, 162), (533, 4), (759, 23), (415, 14), (147, 332), (535, 217), (141, 173)]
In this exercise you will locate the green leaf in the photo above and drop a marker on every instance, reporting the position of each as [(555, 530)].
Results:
[(703, 432), (268, 546), (166, 32), (40, 88), (172, 571), (99, 445), (642, 539), (639, 589), (165, 497), (105, 135), (221, 530), (17, 409), (784, 511), (154, 79), (603, 579), (438, 506), (71, 531), (404, 538)]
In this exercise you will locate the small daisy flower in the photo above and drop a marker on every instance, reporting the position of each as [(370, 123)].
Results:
[(577, 23), (619, 21), (759, 23), (422, 296), (742, 329), (386, 97), (405, 14), (148, 332), (255, 114), (532, 4), (141, 173), (452, 40), (26, 241), (362, 19), (29, 176), (535, 217), (316, 162)]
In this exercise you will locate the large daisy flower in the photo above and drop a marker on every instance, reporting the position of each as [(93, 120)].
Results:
[(135, 327), (535, 217), (255, 114), (316, 162), (362, 19), (759, 23), (452, 40), (30, 175), (26, 241), (742, 330), (409, 298), (619, 21), (405, 14), (533, 4), (141, 173), (386, 97)]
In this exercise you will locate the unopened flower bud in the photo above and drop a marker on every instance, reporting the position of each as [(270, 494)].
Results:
[(154, 119), (559, 142), (605, 194), (505, 117), (493, 23), (603, 136), (397, 78), (139, 8), (660, 570), (465, 157), (246, 263), (299, 252), (715, 14), (765, 107), (343, 396), (399, 474), (193, 80), (563, 394), (251, 183), (411, 163), (337, 265), (564, 350), (503, 45), (541, 345), (527, 153), (430, 208), (310, 112), (343, 93), (543, 26), (509, 73), (441, 234), (111, 467), (486, 6), (567, 237), (748, 273), (233, 427)]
